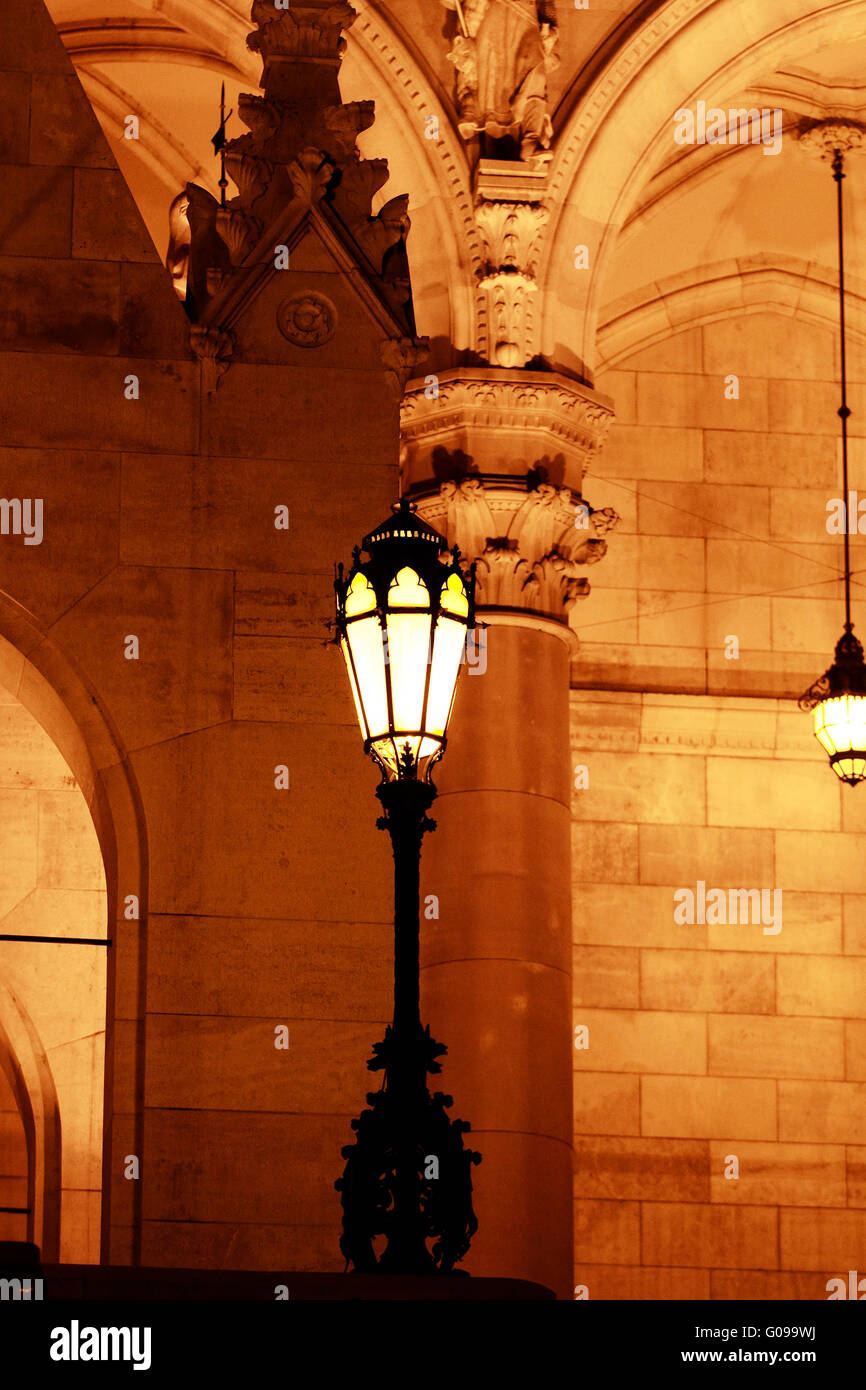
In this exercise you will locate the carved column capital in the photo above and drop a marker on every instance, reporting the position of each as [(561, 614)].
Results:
[(495, 461)]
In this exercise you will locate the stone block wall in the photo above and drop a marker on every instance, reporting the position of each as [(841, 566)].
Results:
[(713, 1041), (255, 906)]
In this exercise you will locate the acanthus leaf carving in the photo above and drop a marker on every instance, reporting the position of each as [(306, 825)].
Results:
[(240, 231), (213, 347), (510, 232), (529, 549), (302, 31), (310, 173), (402, 356)]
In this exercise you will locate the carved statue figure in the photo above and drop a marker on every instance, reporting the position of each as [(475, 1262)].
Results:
[(177, 260), (503, 52)]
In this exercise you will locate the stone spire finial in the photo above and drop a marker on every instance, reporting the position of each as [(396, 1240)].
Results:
[(301, 47), (300, 155)]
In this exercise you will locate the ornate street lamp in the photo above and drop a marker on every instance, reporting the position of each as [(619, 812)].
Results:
[(838, 698), (402, 621)]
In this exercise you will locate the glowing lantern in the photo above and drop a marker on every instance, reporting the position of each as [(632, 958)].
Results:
[(402, 620), (838, 705)]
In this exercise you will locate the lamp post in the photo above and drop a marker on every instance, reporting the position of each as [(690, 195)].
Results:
[(402, 620), (837, 700)]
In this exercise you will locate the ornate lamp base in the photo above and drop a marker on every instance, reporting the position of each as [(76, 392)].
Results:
[(407, 1176)]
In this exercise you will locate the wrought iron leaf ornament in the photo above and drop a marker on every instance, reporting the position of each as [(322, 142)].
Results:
[(371, 1174)]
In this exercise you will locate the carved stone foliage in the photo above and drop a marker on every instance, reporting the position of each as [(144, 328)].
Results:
[(530, 546), (214, 349), (495, 461), (510, 228), (823, 138), (311, 30), (402, 356), (505, 317), (239, 231), (511, 232)]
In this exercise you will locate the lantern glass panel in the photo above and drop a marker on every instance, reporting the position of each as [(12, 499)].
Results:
[(365, 641), (359, 709), (448, 645), (840, 723), (453, 597), (408, 590), (409, 664), (408, 649), (361, 597)]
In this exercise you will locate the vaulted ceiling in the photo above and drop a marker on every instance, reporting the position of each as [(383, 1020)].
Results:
[(664, 213)]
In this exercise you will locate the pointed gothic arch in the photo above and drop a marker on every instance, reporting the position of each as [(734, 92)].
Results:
[(24, 1061), (47, 682)]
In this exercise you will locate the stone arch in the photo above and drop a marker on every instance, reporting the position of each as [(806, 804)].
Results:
[(406, 93), (48, 683), (760, 285), (27, 1069), (161, 152), (619, 127)]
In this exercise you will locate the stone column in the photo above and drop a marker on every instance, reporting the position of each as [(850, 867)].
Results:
[(495, 459)]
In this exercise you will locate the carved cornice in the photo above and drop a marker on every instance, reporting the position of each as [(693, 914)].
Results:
[(509, 403)]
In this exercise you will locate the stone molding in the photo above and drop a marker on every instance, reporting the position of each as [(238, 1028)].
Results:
[(758, 284), (704, 725), (568, 415)]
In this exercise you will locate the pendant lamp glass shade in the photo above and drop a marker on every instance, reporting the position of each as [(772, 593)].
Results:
[(838, 704)]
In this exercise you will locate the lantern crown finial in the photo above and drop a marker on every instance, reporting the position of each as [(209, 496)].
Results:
[(404, 525)]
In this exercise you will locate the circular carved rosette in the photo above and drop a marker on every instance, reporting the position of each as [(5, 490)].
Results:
[(307, 320)]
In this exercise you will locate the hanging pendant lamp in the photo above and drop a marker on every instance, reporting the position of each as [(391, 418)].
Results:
[(837, 699)]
